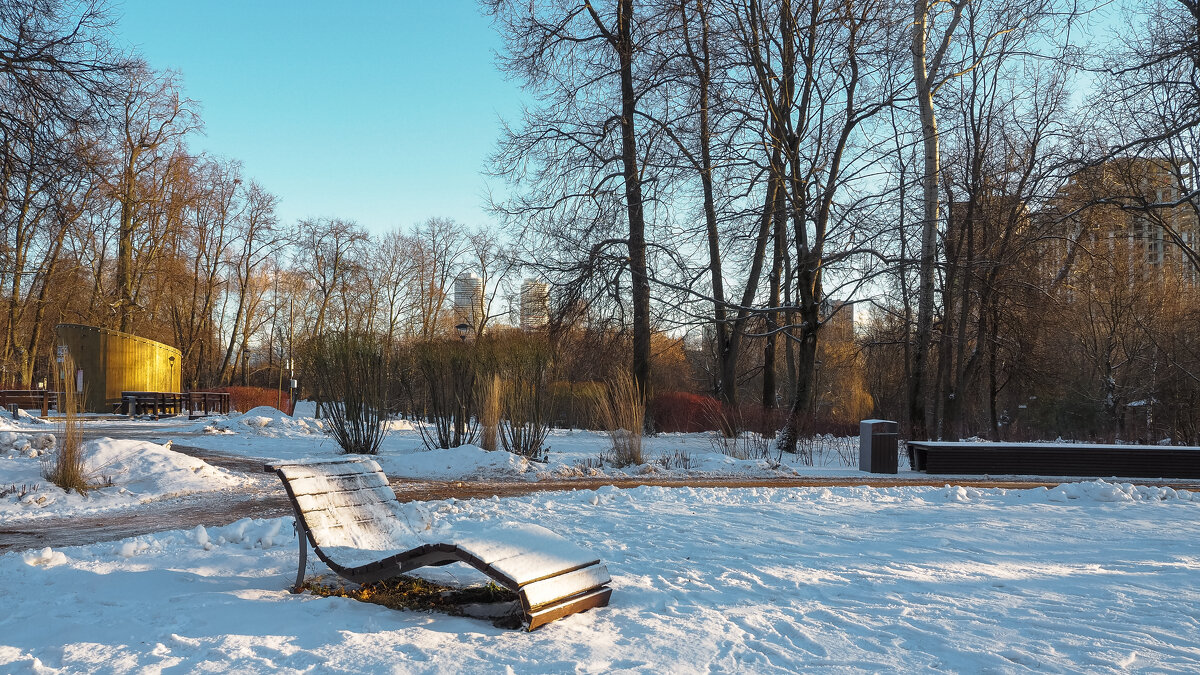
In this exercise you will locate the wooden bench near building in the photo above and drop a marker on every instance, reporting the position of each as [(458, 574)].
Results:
[(1055, 459)]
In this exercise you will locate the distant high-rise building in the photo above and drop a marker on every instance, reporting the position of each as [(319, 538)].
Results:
[(468, 298), (838, 317), (535, 304), (1138, 208)]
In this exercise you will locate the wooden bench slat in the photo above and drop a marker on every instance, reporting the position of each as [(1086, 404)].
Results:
[(355, 515), (554, 589), (319, 485), (329, 470), (362, 496), (597, 598)]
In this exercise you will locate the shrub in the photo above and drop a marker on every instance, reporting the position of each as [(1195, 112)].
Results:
[(677, 411), (675, 459), (525, 398), (447, 368), (754, 417), (247, 398), (490, 409), (350, 374), (573, 404)]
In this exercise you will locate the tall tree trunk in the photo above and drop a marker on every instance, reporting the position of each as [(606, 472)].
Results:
[(919, 380), (125, 246), (727, 386), (634, 203), (770, 388)]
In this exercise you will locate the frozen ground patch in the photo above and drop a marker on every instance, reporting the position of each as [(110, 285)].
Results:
[(705, 580)]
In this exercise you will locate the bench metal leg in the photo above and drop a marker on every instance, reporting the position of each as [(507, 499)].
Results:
[(303, 562), (303, 537)]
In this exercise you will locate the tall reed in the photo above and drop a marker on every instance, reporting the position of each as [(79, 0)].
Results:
[(623, 414), (66, 468), (490, 396)]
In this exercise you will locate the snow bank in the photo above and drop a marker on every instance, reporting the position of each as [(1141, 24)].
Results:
[(465, 462), (126, 472), (13, 443), (263, 421), (908, 579)]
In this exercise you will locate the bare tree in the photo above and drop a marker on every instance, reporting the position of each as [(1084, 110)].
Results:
[(150, 122), (256, 241), (572, 152), (323, 252)]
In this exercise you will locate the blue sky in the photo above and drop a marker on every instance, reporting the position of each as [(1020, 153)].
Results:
[(379, 112)]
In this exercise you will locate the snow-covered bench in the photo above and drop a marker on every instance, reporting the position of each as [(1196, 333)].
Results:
[(348, 512)]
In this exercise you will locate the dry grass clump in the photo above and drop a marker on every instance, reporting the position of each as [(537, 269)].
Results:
[(66, 468), (414, 593), (623, 414), (746, 445), (675, 459), (490, 408), (19, 490)]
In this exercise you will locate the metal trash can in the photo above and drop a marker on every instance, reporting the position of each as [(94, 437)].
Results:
[(877, 446)]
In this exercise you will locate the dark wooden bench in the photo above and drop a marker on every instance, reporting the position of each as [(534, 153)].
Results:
[(13, 400), (159, 403), (1055, 459), (349, 514)]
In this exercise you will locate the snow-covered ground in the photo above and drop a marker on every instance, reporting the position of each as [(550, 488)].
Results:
[(139, 472), (1090, 577), (265, 433)]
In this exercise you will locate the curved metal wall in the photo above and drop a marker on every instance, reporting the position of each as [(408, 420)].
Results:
[(113, 362)]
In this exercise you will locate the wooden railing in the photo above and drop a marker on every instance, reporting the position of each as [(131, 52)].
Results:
[(159, 403), (25, 399)]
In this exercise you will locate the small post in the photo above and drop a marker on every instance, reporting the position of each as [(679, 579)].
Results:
[(877, 446)]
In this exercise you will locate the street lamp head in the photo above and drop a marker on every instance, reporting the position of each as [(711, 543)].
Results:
[(462, 329)]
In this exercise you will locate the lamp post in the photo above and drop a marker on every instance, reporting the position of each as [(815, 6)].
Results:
[(460, 424)]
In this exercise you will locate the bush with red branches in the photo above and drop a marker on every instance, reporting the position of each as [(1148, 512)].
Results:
[(242, 399), (677, 411)]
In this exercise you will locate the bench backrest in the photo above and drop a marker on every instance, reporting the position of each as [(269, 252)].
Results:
[(346, 504)]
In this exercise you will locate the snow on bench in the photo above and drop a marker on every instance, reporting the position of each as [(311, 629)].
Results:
[(351, 517)]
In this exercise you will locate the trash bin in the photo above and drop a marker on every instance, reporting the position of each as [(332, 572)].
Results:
[(877, 444)]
